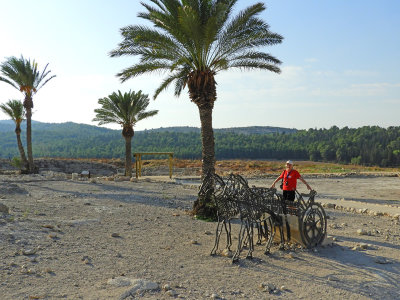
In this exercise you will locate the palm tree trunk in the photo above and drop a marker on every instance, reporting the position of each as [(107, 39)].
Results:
[(128, 156), (28, 104), (202, 207), (207, 138), (21, 148)]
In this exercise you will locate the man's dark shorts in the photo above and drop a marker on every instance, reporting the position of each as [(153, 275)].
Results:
[(289, 195)]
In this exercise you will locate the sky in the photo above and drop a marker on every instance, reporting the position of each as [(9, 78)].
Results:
[(340, 64)]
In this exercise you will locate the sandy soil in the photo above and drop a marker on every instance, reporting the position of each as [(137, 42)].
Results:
[(67, 239)]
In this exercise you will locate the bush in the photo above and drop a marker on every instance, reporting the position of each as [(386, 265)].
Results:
[(16, 162)]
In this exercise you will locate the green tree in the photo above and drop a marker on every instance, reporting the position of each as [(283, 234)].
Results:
[(15, 110), (193, 40), (24, 75), (125, 109)]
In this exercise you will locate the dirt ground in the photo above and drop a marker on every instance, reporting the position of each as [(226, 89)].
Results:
[(72, 239)]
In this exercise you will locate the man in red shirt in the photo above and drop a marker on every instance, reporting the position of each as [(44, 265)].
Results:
[(290, 177)]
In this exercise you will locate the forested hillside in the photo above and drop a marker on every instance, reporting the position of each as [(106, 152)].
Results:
[(365, 145)]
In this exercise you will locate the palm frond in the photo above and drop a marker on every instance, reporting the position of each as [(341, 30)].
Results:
[(23, 74), (197, 37), (14, 109), (140, 69), (253, 64), (124, 109)]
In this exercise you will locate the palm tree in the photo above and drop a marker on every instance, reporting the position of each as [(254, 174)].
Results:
[(23, 75), (192, 40), (126, 110), (15, 110)]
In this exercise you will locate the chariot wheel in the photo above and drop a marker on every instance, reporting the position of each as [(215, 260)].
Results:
[(312, 224)]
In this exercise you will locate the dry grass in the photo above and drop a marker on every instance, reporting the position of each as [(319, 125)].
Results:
[(251, 167)]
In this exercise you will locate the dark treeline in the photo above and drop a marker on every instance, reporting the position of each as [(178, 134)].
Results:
[(363, 146), (368, 145)]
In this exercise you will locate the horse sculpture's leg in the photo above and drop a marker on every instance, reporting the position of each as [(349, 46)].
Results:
[(228, 231), (217, 236), (242, 232), (279, 222), (270, 233), (260, 232), (250, 239)]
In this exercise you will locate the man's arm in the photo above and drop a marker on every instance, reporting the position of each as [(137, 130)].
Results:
[(276, 180)]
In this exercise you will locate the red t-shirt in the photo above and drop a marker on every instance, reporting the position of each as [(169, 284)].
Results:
[(290, 179)]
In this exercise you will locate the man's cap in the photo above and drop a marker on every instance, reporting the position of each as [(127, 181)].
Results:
[(289, 162)]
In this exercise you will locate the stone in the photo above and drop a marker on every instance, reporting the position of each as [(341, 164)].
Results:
[(53, 236), (172, 293), (75, 176), (86, 260), (115, 235), (328, 241), (28, 252), (226, 253), (269, 287), (194, 242), (48, 226), (214, 296), (85, 174), (362, 232), (120, 281), (121, 178), (138, 286), (332, 278), (207, 232), (166, 287), (382, 260)]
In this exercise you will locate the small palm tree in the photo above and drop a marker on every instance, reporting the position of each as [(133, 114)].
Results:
[(193, 40), (15, 110), (23, 75), (125, 109)]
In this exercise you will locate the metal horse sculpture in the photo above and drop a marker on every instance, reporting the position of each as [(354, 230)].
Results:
[(256, 210), (262, 208)]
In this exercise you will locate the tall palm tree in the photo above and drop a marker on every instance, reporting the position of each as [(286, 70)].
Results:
[(125, 109), (15, 110), (192, 40), (24, 75)]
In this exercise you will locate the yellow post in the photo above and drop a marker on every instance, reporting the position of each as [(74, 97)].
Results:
[(138, 161), (140, 165), (136, 165), (170, 165)]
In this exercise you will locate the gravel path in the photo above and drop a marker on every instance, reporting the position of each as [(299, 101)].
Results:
[(67, 239)]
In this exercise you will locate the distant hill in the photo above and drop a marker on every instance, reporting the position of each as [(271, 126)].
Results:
[(237, 130), (8, 125), (81, 140)]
